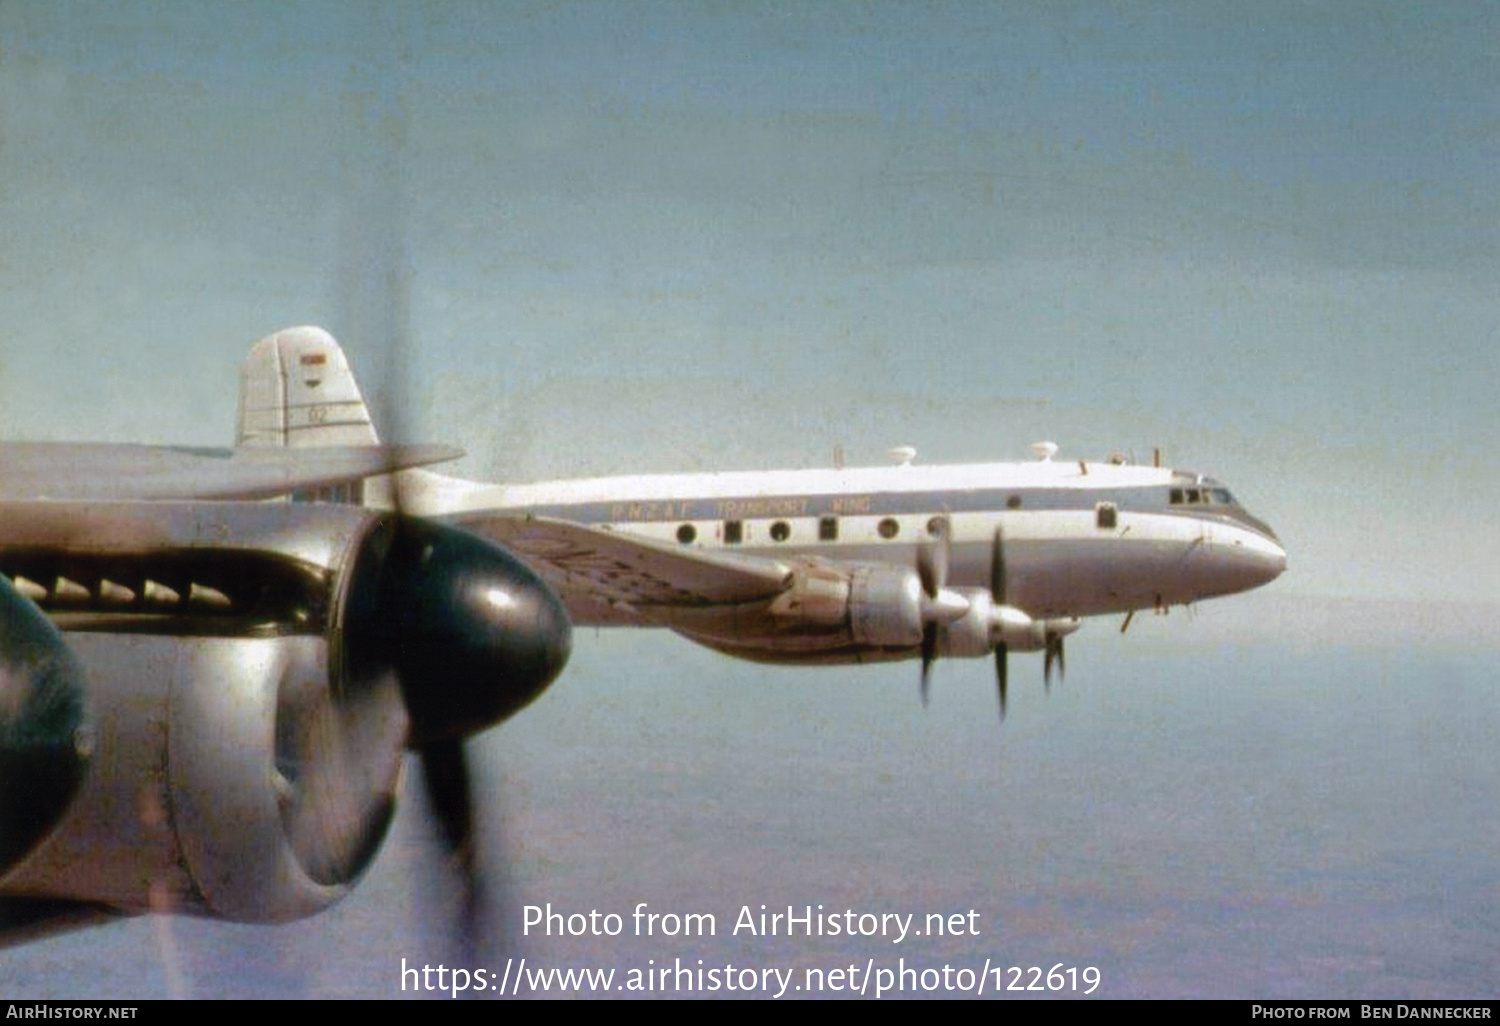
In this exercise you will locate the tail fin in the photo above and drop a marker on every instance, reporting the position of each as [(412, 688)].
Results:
[(297, 392)]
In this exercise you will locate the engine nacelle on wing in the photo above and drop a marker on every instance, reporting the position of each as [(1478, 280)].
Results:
[(250, 677), (885, 606)]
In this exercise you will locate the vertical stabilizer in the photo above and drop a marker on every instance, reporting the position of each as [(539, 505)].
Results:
[(296, 391)]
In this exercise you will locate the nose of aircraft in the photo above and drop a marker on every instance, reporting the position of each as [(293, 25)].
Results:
[(1273, 562), (1249, 559)]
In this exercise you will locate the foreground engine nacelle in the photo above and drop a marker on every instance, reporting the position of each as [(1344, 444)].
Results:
[(240, 671), (204, 794)]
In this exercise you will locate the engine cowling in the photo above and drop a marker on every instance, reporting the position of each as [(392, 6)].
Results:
[(243, 755), (885, 606), (827, 613)]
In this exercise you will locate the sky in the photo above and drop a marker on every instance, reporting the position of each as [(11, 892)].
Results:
[(695, 236)]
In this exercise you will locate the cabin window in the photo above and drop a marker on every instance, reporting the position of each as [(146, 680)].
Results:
[(687, 534), (1222, 495), (1176, 497), (1106, 515), (888, 528), (1013, 502), (781, 531), (828, 529), (935, 526), (734, 532)]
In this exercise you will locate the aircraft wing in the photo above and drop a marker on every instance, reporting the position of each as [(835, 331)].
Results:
[(100, 471), (606, 576)]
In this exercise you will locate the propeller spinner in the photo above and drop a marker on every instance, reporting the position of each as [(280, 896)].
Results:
[(471, 632)]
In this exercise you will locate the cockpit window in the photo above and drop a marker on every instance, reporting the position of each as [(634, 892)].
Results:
[(1197, 496)]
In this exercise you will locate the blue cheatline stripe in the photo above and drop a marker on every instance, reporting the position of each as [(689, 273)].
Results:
[(1149, 499)]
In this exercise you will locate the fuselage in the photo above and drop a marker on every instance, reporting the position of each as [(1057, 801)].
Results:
[(1081, 539)]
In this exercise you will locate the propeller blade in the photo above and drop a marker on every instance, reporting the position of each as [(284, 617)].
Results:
[(339, 747), (466, 634), (929, 656), (932, 571), (466, 629), (1002, 674), (997, 595), (997, 567), (1053, 654), (933, 557), (445, 776)]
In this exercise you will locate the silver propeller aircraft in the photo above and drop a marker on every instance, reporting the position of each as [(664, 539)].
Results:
[(820, 566), (204, 704)]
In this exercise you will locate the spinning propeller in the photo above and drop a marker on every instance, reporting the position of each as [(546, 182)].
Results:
[(939, 605), (997, 596), (1052, 633), (988, 620), (472, 635), (469, 630)]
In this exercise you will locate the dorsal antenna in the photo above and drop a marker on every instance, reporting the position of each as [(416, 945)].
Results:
[(1044, 450)]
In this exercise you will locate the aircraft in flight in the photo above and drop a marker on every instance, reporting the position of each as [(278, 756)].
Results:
[(842, 565), (204, 705)]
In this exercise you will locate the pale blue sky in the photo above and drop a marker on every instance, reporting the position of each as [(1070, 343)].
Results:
[(1264, 237)]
